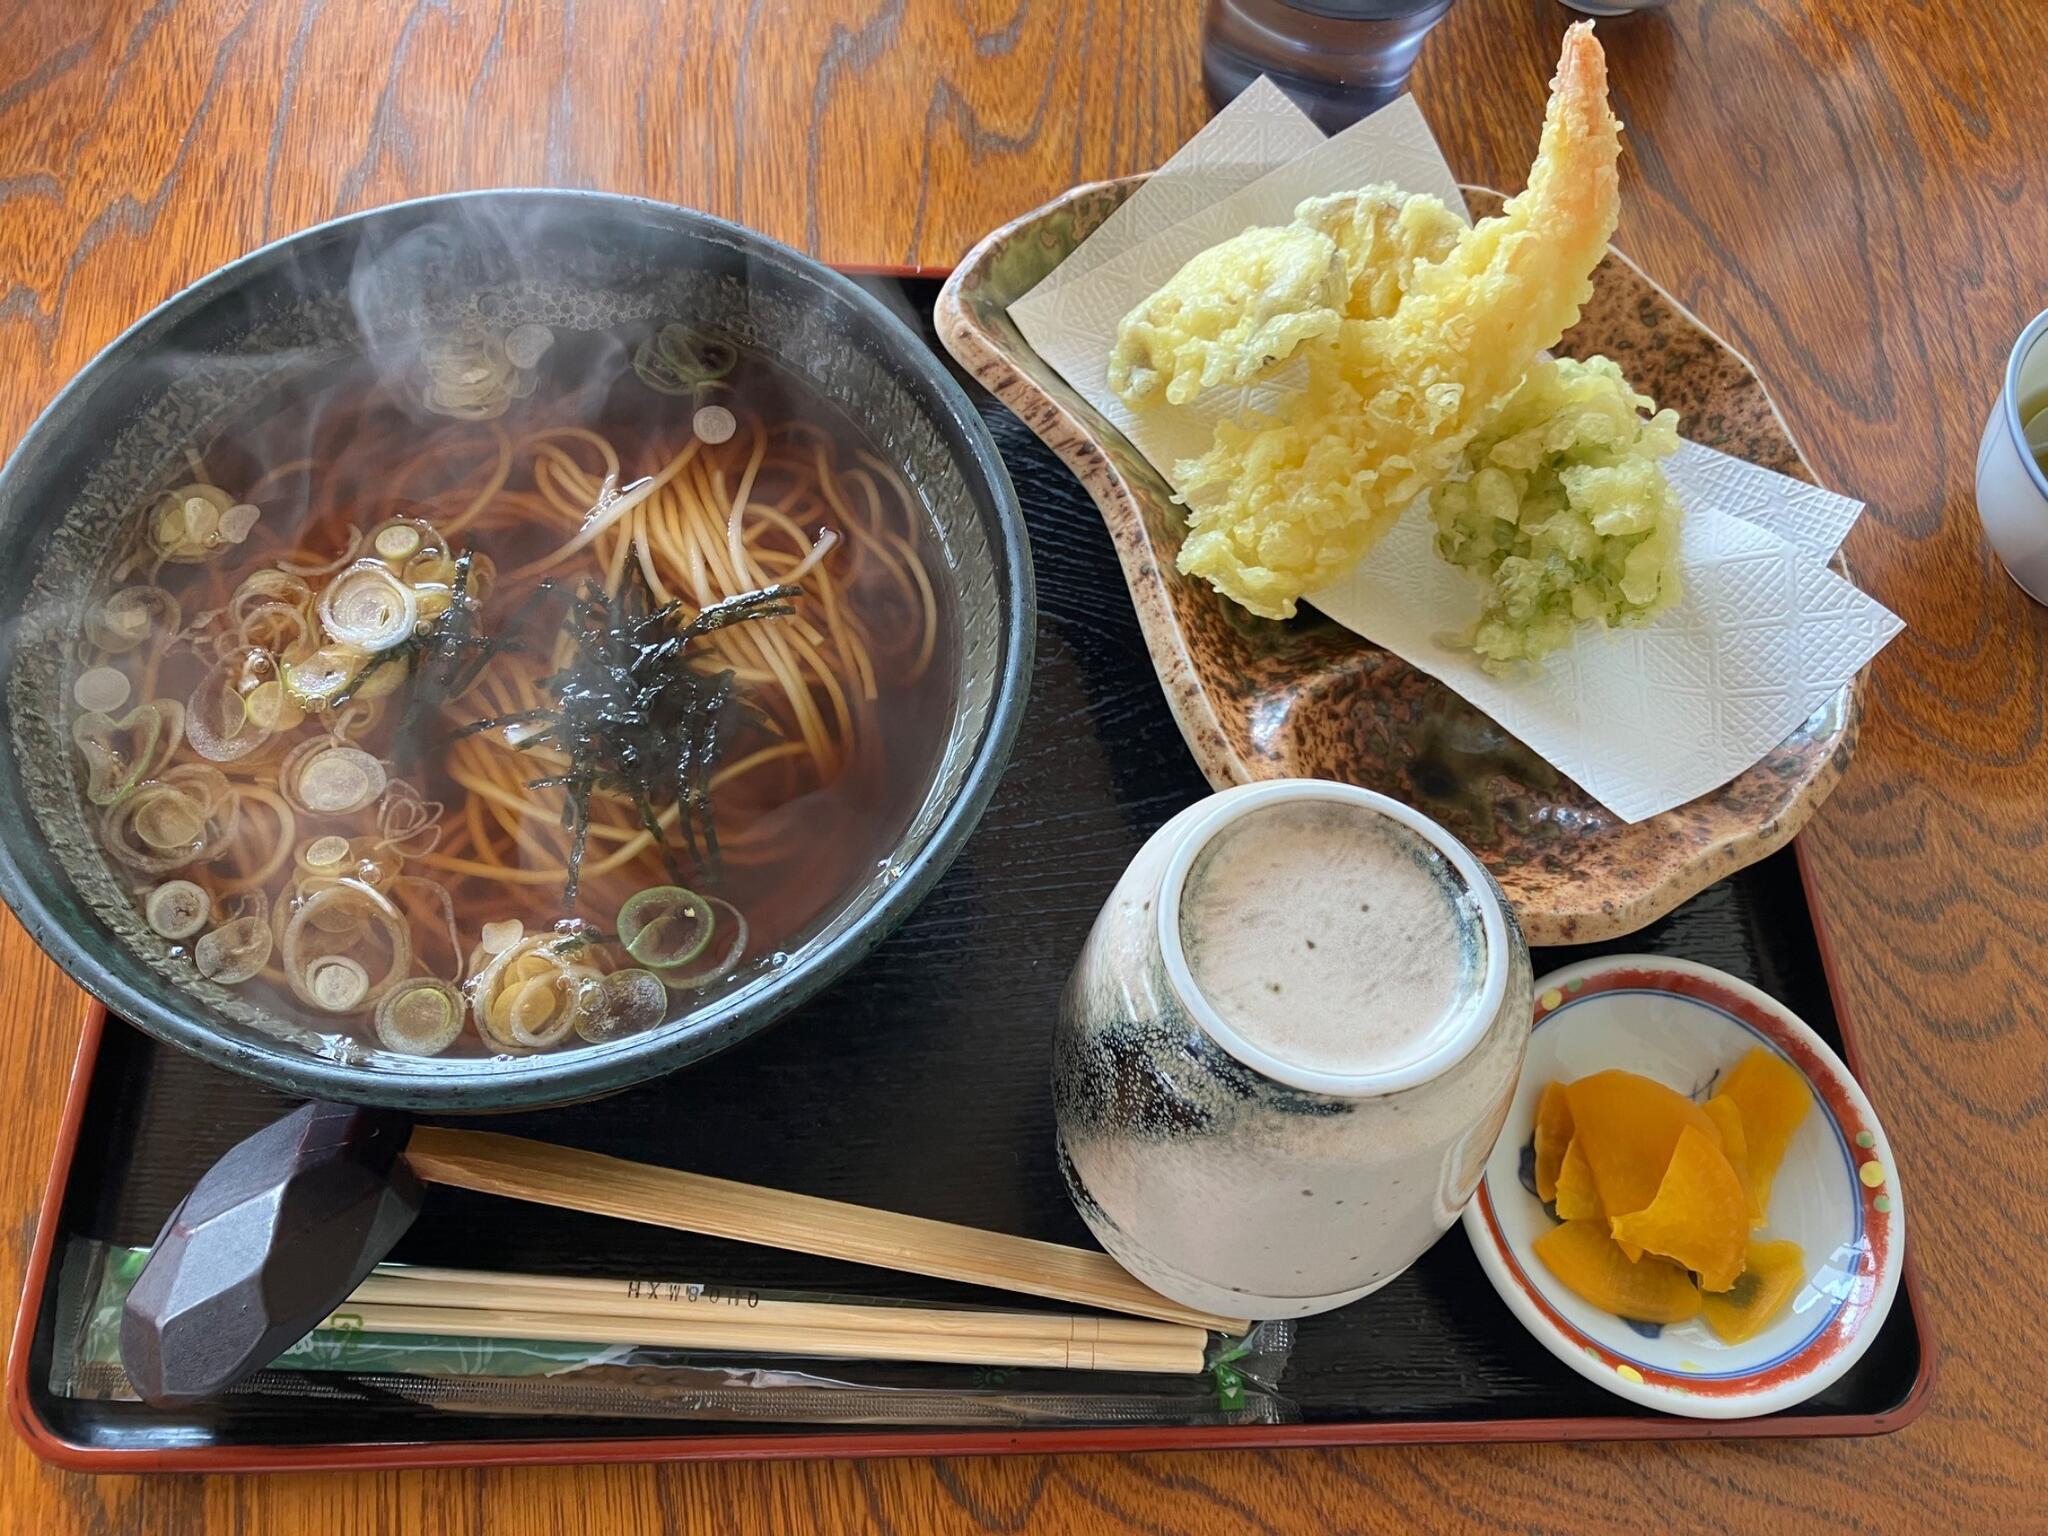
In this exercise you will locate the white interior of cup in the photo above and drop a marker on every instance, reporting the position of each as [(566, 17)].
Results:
[(1462, 1027)]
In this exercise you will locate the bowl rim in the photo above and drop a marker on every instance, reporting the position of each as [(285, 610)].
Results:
[(1758, 1389), (2034, 334), (558, 1078), (1671, 878)]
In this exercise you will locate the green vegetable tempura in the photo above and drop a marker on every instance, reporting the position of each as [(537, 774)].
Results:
[(1566, 513)]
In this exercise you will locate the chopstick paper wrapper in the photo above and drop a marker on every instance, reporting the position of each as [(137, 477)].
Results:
[(1644, 719), (401, 1299), (907, 1370)]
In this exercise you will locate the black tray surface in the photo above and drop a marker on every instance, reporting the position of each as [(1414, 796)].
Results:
[(919, 1084)]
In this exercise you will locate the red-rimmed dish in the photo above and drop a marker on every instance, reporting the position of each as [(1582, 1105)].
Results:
[(1836, 1194)]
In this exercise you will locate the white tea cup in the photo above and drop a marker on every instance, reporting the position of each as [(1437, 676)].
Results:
[(2012, 487), (1260, 1125)]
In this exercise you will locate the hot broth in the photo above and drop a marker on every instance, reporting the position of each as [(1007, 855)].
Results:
[(525, 698)]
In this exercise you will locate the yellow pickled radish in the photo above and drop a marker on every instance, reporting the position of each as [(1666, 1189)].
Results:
[(1774, 1098), (1553, 1135), (1592, 1266), (1700, 1217), (1770, 1278)]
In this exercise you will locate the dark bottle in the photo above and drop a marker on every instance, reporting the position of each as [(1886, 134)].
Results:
[(1338, 59)]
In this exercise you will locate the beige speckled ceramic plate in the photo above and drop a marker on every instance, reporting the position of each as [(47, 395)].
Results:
[(1258, 699)]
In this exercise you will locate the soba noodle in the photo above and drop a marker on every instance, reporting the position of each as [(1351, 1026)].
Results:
[(308, 813)]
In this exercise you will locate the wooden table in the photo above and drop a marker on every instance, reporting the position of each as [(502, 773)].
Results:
[(1855, 192)]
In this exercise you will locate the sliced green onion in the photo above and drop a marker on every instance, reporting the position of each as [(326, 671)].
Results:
[(468, 377), (338, 983), (526, 998), (395, 541), (239, 521), (317, 680), (369, 608), (531, 1008), (337, 781), (207, 785), (101, 689), (235, 952), (270, 708), (406, 824), (266, 586), (187, 524), (526, 344), (423, 1016), (726, 919), (333, 932), (424, 900), (678, 361), (623, 1003), (169, 820), (714, 423), (113, 766), (177, 909), (217, 722), (665, 926), (165, 824), (326, 854), (128, 617), (501, 936)]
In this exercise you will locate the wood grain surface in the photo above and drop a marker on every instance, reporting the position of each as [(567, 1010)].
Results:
[(1854, 191)]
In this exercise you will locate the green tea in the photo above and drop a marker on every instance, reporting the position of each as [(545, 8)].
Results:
[(2034, 423)]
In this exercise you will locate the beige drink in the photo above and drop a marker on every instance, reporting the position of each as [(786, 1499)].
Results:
[(1331, 938), (1288, 1048)]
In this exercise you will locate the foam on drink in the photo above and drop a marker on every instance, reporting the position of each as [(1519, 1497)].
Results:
[(1331, 937)]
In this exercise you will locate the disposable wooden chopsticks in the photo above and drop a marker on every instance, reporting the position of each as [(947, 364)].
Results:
[(480, 1305), (692, 1202), (424, 1285)]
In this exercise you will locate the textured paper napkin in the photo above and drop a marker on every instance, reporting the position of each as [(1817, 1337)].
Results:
[(1644, 719), (1262, 129)]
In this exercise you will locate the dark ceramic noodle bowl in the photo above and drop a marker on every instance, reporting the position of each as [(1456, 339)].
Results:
[(574, 262)]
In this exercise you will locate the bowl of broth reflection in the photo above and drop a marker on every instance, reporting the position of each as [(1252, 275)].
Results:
[(491, 650)]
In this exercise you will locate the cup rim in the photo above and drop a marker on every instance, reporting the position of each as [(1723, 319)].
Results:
[(2036, 333), (1479, 1014)]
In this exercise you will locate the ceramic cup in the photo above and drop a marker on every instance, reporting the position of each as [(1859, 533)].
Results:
[(2012, 487), (1245, 1176)]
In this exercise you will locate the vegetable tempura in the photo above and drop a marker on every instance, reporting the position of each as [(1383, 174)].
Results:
[(1567, 516), (1384, 234), (1232, 312), (1393, 398)]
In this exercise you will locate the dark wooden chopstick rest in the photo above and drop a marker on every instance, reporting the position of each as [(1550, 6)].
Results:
[(268, 1243)]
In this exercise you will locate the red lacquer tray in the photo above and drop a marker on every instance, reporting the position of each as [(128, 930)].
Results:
[(925, 1074)]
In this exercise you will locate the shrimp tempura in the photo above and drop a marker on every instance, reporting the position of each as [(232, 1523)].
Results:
[(1392, 401)]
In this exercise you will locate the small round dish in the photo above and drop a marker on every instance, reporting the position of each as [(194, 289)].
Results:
[(1836, 1194)]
